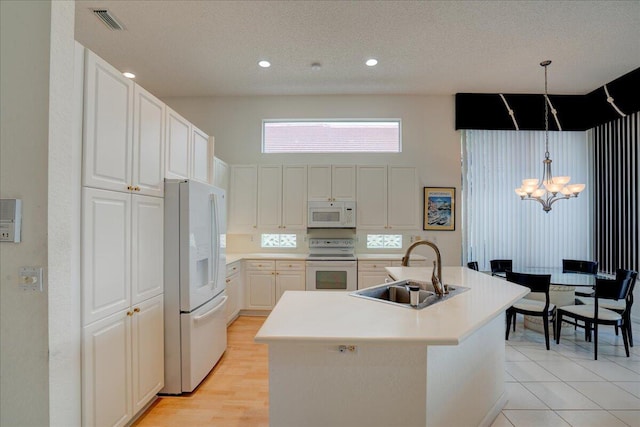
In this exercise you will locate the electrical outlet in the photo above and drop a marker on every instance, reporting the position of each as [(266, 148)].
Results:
[(30, 278)]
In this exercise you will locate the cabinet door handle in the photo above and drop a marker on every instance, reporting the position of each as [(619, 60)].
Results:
[(129, 313), (136, 188), (130, 188), (228, 280), (136, 310)]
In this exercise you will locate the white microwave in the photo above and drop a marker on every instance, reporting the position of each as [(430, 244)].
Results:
[(332, 215)]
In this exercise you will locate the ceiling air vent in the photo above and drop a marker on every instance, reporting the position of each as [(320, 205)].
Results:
[(108, 19)]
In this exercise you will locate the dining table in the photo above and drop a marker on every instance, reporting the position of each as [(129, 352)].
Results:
[(562, 290)]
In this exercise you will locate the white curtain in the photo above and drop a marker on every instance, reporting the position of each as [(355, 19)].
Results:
[(498, 225)]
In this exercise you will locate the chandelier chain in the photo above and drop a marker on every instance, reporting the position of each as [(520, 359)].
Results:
[(546, 115), (548, 190)]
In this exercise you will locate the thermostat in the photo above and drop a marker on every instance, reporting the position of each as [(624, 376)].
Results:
[(10, 220)]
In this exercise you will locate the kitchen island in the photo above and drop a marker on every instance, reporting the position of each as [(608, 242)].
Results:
[(338, 360)]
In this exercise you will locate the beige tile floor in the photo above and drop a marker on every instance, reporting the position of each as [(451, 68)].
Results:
[(565, 386)]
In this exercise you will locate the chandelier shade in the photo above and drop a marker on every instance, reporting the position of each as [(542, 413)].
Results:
[(549, 189)]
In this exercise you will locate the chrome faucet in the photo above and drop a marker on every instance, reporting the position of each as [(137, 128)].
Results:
[(438, 285)]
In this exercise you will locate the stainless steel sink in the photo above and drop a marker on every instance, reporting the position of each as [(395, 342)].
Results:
[(397, 293)]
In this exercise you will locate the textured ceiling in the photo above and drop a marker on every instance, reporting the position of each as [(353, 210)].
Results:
[(203, 48)]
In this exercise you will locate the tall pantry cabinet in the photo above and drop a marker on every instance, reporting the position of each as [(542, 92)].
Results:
[(122, 246)]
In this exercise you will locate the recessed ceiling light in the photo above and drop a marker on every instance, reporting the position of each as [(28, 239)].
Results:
[(316, 66), (264, 64), (129, 75), (371, 62)]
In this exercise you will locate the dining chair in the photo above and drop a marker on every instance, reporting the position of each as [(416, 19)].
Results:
[(537, 283), (594, 314), (579, 266), (619, 306), (500, 266), (473, 265)]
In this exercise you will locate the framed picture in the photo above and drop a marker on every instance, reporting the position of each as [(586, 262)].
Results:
[(439, 208)]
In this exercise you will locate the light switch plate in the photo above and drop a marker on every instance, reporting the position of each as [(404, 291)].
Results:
[(30, 278)]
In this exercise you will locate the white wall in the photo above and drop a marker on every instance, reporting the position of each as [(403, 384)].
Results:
[(24, 75), (36, 77), (65, 161), (429, 140)]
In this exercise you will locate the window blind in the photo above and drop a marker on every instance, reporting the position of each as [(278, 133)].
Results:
[(498, 225), (617, 176)]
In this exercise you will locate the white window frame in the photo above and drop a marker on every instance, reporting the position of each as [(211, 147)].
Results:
[(265, 123)]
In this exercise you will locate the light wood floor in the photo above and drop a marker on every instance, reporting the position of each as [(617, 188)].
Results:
[(236, 392)]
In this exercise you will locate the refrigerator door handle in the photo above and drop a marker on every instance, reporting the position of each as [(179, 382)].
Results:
[(215, 240), (211, 312)]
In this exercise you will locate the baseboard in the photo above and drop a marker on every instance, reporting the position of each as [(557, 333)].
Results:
[(254, 313), (491, 416)]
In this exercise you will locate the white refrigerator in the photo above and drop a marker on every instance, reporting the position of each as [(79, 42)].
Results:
[(194, 282)]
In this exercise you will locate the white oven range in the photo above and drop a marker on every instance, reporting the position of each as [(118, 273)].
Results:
[(331, 265)]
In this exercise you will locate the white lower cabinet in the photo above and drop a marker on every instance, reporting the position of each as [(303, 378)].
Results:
[(372, 273), (123, 363), (290, 276), (267, 280), (234, 290), (147, 337), (260, 280)]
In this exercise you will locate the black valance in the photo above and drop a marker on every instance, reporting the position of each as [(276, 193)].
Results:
[(574, 112)]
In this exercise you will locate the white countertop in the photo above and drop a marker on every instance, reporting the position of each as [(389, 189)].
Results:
[(265, 255), (303, 256), (387, 257), (339, 318)]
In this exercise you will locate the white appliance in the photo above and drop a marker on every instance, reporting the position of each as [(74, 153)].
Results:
[(195, 325), (331, 265), (332, 215)]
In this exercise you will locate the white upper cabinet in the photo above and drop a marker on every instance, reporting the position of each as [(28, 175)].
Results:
[(372, 197), (108, 126), (148, 143), (201, 155), (388, 198), (294, 197), (178, 146), (243, 194), (331, 183), (282, 195), (221, 174), (269, 196), (123, 132), (189, 151)]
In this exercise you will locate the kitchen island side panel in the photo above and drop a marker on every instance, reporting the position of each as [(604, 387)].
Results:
[(377, 385), (465, 383), (383, 384)]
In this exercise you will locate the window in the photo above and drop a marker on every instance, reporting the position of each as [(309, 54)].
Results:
[(331, 136), (384, 241), (278, 241)]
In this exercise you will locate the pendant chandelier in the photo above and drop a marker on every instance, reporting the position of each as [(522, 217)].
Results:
[(550, 189)]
